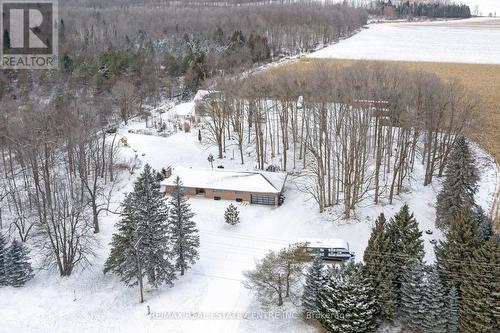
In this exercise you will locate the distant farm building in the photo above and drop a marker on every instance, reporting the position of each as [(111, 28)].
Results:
[(255, 187)]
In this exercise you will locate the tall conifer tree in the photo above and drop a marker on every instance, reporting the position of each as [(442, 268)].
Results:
[(314, 281), (347, 303), (435, 303), (412, 298), (480, 302), (379, 268), (459, 185), (455, 252), (141, 247), (183, 229), (407, 247)]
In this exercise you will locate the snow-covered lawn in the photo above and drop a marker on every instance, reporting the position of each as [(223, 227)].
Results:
[(460, 41), (92, 302)]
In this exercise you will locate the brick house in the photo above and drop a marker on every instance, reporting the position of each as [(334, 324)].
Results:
[(255, 187)]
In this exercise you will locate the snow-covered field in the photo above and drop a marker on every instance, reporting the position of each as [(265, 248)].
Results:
[(92, 302), (461, 41), (483, 7)]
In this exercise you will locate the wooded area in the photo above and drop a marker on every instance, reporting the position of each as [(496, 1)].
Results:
[(119, 60), (351, 130), (411, 9)]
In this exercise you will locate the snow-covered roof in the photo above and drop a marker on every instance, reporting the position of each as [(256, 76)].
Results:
[(184, 109), (245, 181), (326, 243), (200, 94)]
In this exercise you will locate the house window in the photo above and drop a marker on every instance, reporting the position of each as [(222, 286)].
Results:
[(239, 192), (332, 252), (267, 200), (218, 191)]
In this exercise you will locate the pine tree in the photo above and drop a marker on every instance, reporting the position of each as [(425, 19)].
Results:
[(479, 306), (3, 264), (379, 269), (314, 281), (459, 185), (18, 267), (211, 160), (141, 246), (232, 216), (452, 254), (452, 311), (412, 299), (406, 245), (484, 222), (183, 229), (346, 302), (435, 299)]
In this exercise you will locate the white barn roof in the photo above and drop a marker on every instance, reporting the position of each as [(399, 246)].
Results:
[(244, 181)]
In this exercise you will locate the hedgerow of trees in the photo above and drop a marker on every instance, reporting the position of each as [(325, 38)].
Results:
[(411, 9)]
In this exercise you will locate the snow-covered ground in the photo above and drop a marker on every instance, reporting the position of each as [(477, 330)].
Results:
[(92, 302), (484, 7), (461, 41)]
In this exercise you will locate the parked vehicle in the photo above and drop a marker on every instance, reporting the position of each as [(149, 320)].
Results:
[(329, 249)]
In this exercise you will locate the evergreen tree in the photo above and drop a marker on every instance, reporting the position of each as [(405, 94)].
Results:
[(484, 222), (125, 246), (480, 302), (211, 160), (412, 299), (141, 246), (232, 216), (314, 281), (380, 270), (435, 304), (18, 267), (406, 245), (347, 303), (452, 254), (183, 229), (3, 264), (459, 185), (452, 311)]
